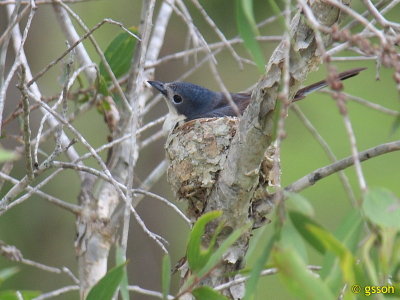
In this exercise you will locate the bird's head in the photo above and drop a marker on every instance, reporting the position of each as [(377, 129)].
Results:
[(188, 99)]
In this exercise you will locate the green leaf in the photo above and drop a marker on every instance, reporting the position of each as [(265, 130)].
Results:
[(102, 86), (119, 260), (382, 208), (294, 274), (290, 238), (302, 223), (166, 276), (348, 233), (207, 293), (119, 54), (248, 31), (323, 240), (251, 284), (106, 287), (7, 155), (298, 203), (198, 257), (12, 295), (7, 273), (347, 261), (217, 254)]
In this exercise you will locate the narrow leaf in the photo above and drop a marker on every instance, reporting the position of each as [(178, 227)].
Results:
[(290, 238), (348, 233), (7, 155), (301, 223), (7, 273), (382, 208), (166, 276), (102, 86), (248, 31), (299, 203), (294, 274), (251, 284), (216, 256), (106, 287), (119, 54), (198, 257), (218, 253), (119, 260), (12, 295), (347, 261), (207, 293)]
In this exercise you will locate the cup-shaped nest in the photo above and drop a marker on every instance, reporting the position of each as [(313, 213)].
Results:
[(197, 151)]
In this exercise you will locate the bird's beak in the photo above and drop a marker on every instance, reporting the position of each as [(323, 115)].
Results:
[(159, 86)]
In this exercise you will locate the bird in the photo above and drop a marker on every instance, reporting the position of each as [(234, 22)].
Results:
[(188, 101)]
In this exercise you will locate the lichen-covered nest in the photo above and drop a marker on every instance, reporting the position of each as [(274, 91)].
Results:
[(197, 151)]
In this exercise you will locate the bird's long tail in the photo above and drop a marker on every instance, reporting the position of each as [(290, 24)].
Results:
[(323, 83)]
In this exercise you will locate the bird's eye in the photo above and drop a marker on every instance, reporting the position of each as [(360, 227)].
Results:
[(177, 99)]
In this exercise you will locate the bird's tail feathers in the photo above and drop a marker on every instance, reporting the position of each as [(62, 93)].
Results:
[(323, 83)]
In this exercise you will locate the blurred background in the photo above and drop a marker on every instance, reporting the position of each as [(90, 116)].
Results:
[(46, 233)]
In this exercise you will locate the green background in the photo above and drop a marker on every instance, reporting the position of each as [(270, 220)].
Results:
[(46, 233)]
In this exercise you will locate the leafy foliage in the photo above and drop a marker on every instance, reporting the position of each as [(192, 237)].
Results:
[(106, 287)]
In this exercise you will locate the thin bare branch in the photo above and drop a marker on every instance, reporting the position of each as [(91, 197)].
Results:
[(57, 292), (326, 148), (313, 177)]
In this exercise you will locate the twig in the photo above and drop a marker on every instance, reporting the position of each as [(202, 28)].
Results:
[(151, 139), (265, 272), (213, 46), (17, 42), (314, 132), (57, 292), (65, 205), (26, 126), (218, 32), (83, 141), (19, 56), (340, 101), (14, 21), (368, 25), (366, 103), (72, 47), (14, 254), (379, 17), (61, 99), (155, 237), (151, 179), (165, 201), (97, 48), (323, 172), (142, 291)]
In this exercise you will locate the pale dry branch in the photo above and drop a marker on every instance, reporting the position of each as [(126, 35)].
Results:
[(14, 254), (340, 101), (313, 177), (51, 199), (57, 292), (142, 291), (366, 103), (218, 32), (314, 132), (17, 42)]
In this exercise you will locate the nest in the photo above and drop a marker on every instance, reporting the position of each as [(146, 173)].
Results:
[(197, 151)]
